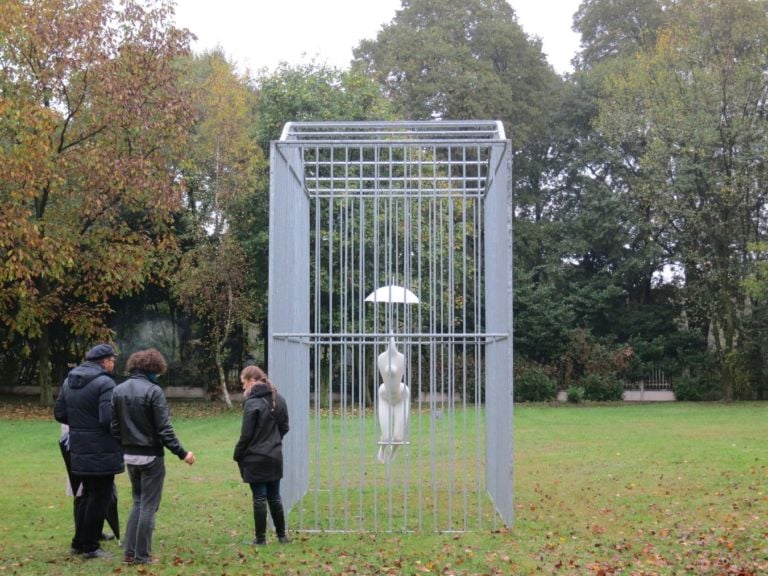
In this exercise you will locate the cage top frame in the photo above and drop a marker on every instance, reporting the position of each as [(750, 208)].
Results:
[(406, 131)]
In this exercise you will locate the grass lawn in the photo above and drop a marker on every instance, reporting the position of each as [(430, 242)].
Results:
[(659, 489)]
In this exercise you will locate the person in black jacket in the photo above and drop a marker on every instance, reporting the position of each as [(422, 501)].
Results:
[(141, 422), (84, 404), (75, 489), (259, 451)]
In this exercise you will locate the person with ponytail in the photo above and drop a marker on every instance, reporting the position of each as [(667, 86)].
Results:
[(259, 451)]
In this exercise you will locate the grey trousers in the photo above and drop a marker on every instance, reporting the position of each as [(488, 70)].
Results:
[(146, 489)]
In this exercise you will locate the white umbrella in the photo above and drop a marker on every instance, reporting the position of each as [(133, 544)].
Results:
[(392, 294)]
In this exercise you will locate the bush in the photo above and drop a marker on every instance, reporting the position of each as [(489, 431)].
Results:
[(602, 387), (574, 394), (533, 385), (697, 389)]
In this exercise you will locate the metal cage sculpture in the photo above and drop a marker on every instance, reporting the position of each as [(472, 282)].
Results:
[(356, 206)]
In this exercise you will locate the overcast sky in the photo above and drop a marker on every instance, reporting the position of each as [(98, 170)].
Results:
[(262, 33)]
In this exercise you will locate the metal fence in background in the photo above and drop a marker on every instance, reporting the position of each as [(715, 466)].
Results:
[(654, 379), (426, 206)]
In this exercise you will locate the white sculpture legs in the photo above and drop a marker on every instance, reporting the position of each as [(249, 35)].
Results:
[(394, 402)]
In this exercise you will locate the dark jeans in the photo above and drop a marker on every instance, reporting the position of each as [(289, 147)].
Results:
[(267, 495), (147, 489), (269, 491), (91, 511)]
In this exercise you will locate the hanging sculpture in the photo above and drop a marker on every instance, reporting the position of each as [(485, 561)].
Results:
[(394, 402), (394, 395)]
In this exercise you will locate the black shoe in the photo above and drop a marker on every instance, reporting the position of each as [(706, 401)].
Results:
[(98, 553), (259, 542), (107, 537), (75, 551), (283, 539)]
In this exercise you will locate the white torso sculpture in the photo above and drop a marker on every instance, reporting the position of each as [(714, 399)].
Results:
[(394, 401)]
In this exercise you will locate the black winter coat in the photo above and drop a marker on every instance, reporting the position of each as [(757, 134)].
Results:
[(141, 421), (84, 403), (259, 452)]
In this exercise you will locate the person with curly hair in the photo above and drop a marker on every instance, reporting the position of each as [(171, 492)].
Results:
[(259, 451), (141, 422)]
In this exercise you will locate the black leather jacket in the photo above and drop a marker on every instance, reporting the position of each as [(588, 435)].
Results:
[(84, 404), (141, 421)]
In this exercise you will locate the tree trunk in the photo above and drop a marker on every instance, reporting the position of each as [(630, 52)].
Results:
[(728, 379), (44, 369), (220, 345), (222, 378)]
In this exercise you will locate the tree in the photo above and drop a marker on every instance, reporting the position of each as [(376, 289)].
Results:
[(313, 92), (612, 28), (459, 59), (594, 243), (694, 107), (756, 285), (211, 283), (305, 93), (223, 167), (224, 161), (92, 118)]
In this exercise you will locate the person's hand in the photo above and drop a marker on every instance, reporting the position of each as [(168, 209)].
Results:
[(189, 458)]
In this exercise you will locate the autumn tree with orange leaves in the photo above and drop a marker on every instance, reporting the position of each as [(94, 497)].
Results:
[(93, 116)]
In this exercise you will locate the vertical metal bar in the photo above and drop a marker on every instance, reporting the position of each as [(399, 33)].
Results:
[(421, 348), (478, 361), (316, 345), (344, 274), (434, 299), (463, 264), (361, 376), (479, 380), (289, 239), (389, 267), (404, 481), (376, 282), (451, 368), (329, 350), (440, 281)]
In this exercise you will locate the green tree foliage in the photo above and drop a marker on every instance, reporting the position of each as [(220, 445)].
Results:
[(211, 283), (692, 111), (459, 59), (472, 60), (313, 92), (92, 119), (543, 317), (756, 325), (303, 93), (613, 28), (124, 159), (580, 242), (222, 171), (223, 162)]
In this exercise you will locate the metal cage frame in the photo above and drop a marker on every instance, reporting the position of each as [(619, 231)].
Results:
[(354, 206)]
